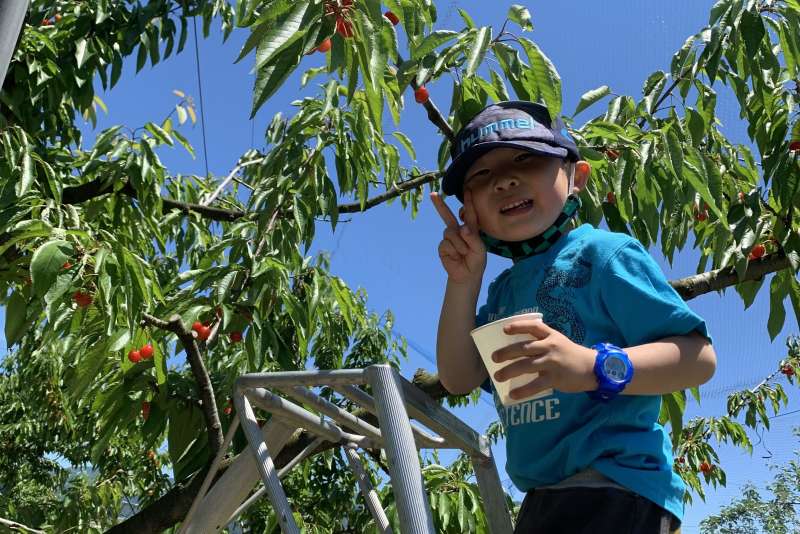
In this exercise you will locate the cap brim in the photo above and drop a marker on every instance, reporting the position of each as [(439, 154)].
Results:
[(453, 181)]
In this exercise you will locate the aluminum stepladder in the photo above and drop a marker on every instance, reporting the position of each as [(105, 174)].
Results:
[(396, 403)]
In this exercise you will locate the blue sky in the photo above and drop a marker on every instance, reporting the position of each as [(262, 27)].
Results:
[(618, 43)]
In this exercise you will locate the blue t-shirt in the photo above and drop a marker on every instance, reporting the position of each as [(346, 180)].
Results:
[(593, 286)]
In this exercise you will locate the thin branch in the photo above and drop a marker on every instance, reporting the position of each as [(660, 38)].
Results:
[(228, 179), (397, 190), (13, 525), (103, 186), (201, 377), (434, 115), (700, 284), (666, 93)]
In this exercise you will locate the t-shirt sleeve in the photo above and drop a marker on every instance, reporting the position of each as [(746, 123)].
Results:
[(640, 300)]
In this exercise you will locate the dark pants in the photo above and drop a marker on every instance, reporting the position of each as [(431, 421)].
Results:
[(591, 511)]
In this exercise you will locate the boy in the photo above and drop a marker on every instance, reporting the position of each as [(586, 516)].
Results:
[(614, 335)]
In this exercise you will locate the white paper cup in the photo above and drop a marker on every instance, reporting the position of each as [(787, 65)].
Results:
[(489, 338)]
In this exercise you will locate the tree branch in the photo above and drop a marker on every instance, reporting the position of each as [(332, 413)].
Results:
[(700, 284), (103, 186), (13, 525), (434, 115), (395, 191), (202, 380)]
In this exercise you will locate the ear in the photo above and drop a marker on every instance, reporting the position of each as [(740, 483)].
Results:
[(583, 170), (461, 213)]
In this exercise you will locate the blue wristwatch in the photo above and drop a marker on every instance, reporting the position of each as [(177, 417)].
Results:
[(613, 370)]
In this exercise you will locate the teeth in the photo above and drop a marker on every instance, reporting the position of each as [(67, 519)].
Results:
[(515, 205)]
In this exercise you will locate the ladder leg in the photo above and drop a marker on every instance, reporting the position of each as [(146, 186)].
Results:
[(265, 464), (370, 495), (409, 493), (498, 516)]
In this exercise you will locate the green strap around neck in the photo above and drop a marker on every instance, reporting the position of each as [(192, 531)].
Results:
[(517, 250)]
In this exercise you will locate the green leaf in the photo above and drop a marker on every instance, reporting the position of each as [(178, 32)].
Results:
[(407, 144), (270, 78), (479, 48), (753, 31), (543, 78), (182, 117), (159, 365), (16, 318), (675, 153), (675, 403), (275, 37), (80, 51), (380, 41), (224, 287), (777, 313), (466, 18), (520, 15), (184, 142), (159, 133), (119, 339), (26, 180), (185, 428), (590, 97), (431, 42), (47, 262)]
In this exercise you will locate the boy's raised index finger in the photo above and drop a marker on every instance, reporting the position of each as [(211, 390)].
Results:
[(444, 211)]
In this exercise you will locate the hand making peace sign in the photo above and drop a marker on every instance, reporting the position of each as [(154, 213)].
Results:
[(461, 250)]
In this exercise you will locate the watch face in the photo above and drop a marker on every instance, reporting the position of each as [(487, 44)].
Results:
[(615, 368)]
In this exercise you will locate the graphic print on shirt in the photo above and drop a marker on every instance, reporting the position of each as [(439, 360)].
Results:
[(555, 298)]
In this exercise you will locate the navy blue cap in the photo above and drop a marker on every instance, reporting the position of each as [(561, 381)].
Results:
[(513, 124)]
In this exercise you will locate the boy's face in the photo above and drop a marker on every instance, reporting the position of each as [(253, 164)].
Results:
[(517, 194)]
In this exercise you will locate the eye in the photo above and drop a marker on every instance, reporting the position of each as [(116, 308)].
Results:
[(523, 156)]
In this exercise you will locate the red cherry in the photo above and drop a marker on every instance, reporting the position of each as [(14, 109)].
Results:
[(421, 94), (788, 370), (324, 46), (706, 468), (740, 196), (702, 216), (227, 410), (196, 326), (681, 460), (135, 356), (235, 337), (203, 333), (794, 146), (612, 154), (344, 28), (147, 351), (392, 18), (82, 299), (46, 22), (757, 252), (145, 410), (611, 198), (67, 265)]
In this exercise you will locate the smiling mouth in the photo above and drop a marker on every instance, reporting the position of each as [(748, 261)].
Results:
[(521, 206)]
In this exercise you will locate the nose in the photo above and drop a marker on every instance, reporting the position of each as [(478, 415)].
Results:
[(505, 182)]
